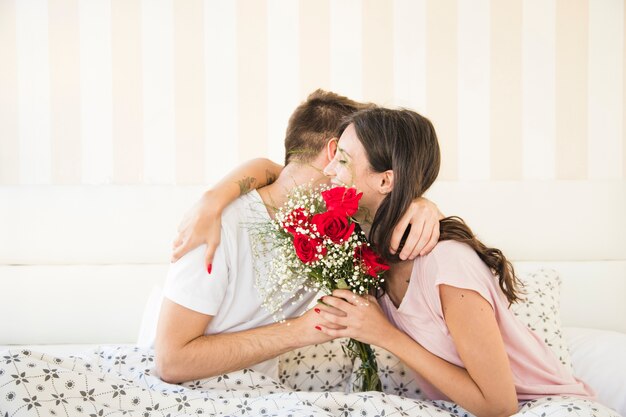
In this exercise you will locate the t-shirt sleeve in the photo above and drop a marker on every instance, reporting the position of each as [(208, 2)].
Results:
[(458, 265), (189, 284)]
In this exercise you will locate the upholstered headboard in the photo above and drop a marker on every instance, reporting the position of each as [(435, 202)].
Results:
[(77, 263)]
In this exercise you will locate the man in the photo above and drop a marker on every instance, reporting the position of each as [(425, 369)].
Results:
[(211, 319)]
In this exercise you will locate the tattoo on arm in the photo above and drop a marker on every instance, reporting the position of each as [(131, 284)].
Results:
[(245, 185), (269, 177)]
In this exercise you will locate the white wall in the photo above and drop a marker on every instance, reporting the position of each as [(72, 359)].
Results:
[(177, 92)]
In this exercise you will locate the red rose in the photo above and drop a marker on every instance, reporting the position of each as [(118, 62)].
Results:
[(333, 224), (307, 249), (295, 219), (373, 263), (342, 199)]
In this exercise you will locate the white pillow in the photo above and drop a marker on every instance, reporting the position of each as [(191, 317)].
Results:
[(150, 319), (540, 310), (599, 359)]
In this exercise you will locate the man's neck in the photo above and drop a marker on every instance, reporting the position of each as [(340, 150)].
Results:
[(293, 175)]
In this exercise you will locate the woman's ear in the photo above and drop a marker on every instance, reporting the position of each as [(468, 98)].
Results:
[(331, 149), (386, 182)]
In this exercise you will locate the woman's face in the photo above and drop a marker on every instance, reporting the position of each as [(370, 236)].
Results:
[(350, 168)]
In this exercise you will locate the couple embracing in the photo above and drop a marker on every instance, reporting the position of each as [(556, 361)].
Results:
[(443, 308)]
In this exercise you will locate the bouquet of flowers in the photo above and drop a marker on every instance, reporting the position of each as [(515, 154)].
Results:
[(318, 246)]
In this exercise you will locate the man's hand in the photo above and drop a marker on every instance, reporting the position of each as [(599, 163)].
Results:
[(423, 215), (201, 224)]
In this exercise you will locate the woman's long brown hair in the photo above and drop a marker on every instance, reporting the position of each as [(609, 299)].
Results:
[(406, 142)]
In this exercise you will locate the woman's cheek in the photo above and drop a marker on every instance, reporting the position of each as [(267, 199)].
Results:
[(347, 176)]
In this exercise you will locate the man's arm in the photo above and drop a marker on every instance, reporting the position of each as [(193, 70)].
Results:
[(201, 224), (183, 353)]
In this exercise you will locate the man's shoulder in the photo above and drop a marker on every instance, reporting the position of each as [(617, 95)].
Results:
[(245, 209)]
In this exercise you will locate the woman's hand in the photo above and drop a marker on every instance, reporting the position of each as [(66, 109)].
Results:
[(360, 317), (306, 328), (423, 216), (201, 224)]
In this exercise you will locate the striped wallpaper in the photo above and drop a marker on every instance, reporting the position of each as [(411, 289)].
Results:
[(179, 91)]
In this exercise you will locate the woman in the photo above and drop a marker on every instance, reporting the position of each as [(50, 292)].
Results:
[(446, 314)]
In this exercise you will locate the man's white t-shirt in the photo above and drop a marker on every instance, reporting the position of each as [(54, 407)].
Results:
[(229, 293)]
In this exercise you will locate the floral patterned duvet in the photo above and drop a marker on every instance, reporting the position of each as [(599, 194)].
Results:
[(120, 381)]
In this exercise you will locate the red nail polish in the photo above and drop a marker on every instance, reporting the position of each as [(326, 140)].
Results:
[(317, 310), (318, 327), (209, 268)]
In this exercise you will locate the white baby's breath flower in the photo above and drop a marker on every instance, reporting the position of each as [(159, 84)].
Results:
[(286, 278)]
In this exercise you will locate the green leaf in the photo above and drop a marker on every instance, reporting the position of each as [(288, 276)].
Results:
[(342, 285)]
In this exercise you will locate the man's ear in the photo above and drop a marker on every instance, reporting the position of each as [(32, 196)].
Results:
[(386, 182), (331, 149)]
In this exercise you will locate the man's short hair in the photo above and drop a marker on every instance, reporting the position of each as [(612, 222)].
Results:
[(315, 122)]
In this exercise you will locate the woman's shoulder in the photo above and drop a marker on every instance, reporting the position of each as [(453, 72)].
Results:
[(456, 264), (454, 258), (448, 249)]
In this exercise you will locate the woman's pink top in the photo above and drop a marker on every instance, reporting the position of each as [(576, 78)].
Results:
[(536, 370)]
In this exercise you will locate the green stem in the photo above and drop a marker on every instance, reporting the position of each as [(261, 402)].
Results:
[(367, 374)]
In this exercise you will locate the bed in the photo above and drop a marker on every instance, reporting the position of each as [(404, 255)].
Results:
[(77, 277)]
